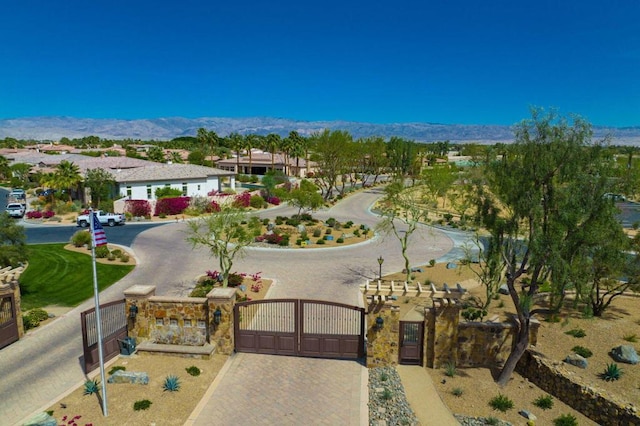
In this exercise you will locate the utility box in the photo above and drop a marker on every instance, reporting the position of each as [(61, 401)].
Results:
[(127, 346)]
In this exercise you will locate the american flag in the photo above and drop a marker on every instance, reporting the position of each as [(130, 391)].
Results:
[(99, 237)]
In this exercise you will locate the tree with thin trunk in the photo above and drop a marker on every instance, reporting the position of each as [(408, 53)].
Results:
[(271, 143), (402, 212), (298, 147), (236, 143), (225, 235), (66, 177), (100, 182), (250, 142)]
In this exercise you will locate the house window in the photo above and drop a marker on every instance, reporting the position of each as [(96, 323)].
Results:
[(129, 191), (188, 322), (173, 322), (148, 192), (184, 189), (159, 321), (198, 187), (202, 324)]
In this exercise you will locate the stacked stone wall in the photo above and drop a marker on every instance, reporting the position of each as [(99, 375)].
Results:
[(178, 321), (553, 378), (484, 344), (383, 343)]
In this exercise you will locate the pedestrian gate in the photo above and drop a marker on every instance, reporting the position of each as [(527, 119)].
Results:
[(411, 339), (114, 328), (8, 323), (299, 327)]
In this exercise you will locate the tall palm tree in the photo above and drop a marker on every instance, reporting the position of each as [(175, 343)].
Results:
[(236, 143), (250, 142), (271, 143), (210, 139), (298, 147)]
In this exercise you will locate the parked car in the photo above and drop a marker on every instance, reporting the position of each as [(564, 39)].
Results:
[(105, 218), (615, 197), (15, 209)]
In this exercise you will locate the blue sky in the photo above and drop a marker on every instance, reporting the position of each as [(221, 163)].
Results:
[(465, 62)]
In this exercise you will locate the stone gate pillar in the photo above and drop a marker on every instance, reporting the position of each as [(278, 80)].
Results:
[(222, 300), (383, 341), (140, 327), (441, 334)]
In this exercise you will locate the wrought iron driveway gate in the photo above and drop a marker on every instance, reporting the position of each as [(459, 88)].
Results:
[(299, 327)]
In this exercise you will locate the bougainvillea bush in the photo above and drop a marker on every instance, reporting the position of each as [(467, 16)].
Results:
[(137, 208), (169, 206), (242, 200)]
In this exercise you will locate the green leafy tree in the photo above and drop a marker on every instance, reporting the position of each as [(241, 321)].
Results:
[(13, 248), (329, 148), (402, 155), (225, 236), (20, 173), (306, 197), (196, 157), (439, 180), (5, 169), (545, 191), (101, 183)]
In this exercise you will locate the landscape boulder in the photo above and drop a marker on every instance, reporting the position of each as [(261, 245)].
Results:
[(577, 360), (133, 377), (504, 289), (625, 353)]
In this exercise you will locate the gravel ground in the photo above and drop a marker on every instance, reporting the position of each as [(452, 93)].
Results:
[(387, 401)]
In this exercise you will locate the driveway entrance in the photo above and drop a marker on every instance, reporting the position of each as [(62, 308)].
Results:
[(310, 328)]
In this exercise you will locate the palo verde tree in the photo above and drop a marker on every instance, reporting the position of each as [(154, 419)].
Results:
[(540, 199), (100, 182), (402, 211), (329, 148), (13, 246), (225, 235), (306, 197)]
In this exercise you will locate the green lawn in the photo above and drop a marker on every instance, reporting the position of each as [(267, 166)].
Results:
[(56, 276)]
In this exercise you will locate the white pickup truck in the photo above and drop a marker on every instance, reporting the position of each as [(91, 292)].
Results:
[(105, 218), (15, 209)]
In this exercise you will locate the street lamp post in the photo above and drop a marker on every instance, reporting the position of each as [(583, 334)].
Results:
[(380, 262)]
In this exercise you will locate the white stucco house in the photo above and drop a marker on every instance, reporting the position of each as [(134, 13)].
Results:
[(140, 183)]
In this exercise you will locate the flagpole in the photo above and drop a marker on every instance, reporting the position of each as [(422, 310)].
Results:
[(96, 297)]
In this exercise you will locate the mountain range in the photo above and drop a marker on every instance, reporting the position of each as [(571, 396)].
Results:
[(54, 128)]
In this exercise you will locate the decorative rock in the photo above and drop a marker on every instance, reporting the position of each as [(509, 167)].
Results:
[(451, 265), (41, 419), (504, 289), (577, 360), (528, 415), (625, 353), (417, 270), (270, 226), (301, 229), (133, 377)]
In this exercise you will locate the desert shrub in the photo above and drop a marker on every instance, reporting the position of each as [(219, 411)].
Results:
[(330, 222), (34, 214), (124, 258), (457, 392), (193, 370), (356, 232), (576, 332), (117, 368), (349, 224), (320, 241), (340, 240), (171, 206), (235, 279), (29, 322), (138, 208), (582, 351), (633, 338), (143, 404), (80, 238), (256, 201), (102, 252), (171, 384), (565, 420), (273, 200), (501, 403), (117, 252), (91, 387), (432, 262), (265, 221), (611, 373), (111, 257), (167, 192), (317, 232), (299, 242), (544, 402), (328, 231), (450, 369)]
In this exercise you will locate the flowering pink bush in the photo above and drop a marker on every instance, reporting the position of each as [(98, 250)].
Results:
[(137, 208), (34, 214), (273, 200), (213, 207), (48, 214), (171, 206), (242, 200)]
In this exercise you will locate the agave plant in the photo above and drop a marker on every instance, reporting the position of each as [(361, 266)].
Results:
[(612, 372), (91, 387), (171, 384)]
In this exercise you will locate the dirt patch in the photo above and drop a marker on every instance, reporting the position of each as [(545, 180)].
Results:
[(167, 408), (621, 321)]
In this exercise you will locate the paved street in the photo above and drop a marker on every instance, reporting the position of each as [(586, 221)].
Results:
[(47, 362)]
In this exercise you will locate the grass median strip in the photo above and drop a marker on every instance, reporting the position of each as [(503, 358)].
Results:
[(56, 276)]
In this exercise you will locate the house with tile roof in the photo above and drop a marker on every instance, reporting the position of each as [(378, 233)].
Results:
[(261, 162), (140, 183)]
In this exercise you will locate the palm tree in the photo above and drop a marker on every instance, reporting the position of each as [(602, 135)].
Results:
[(236, 143), (250, 142), (298, 147), (210, 139), (66, 177), (271, 144)]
